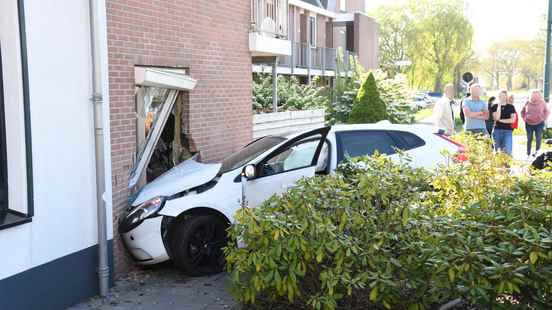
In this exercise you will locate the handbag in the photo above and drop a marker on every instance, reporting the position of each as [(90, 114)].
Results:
[(515, 124)]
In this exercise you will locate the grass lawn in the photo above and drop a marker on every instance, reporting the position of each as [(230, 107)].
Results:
[(423, 114)]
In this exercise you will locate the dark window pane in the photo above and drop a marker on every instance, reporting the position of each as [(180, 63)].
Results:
[(406, 140), (360, 143)]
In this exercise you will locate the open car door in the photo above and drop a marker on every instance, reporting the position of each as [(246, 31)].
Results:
[(283, 167)]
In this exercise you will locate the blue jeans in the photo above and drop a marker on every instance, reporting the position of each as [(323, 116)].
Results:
[(503, 140), (537, 130)]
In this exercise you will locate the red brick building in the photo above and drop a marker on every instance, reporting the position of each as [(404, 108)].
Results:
[(207, 38), (212, 47)]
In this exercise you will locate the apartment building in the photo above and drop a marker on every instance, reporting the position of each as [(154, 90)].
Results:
[(189, 56), (303, 37), (143, 85)]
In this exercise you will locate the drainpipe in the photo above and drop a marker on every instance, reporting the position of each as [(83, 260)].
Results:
[(97, 101)]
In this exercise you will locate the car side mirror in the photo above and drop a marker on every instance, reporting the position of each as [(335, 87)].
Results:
[(250, 172)]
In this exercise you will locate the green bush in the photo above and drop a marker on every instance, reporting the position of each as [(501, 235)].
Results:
[(393, 92), (368, 106), (292, 95), (380, 234)]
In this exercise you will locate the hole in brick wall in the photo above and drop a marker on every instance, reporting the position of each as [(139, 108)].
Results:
[(174, 144), (162, 122)]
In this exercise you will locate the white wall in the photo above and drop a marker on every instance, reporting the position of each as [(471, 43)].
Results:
[(287, 122), (58, 43)]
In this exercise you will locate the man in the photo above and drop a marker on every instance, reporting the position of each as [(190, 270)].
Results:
[(476, 112), (443, 116)]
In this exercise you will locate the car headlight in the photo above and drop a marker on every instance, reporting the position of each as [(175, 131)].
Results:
[(138, 214)]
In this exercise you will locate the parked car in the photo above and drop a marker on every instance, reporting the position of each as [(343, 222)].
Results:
[(183, 214)]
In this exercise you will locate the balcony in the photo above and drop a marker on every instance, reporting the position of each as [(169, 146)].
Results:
[(316, 60), (269, 28)]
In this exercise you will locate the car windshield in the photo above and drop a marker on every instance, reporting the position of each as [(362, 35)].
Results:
[(249, 152)]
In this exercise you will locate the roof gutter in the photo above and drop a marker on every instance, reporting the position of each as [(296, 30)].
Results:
[(312, 8), (97, 45)]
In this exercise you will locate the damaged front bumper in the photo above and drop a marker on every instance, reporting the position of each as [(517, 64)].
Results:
[(145, 242)]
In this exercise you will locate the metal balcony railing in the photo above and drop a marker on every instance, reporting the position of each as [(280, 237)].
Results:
[(318, 58), (270, 17)]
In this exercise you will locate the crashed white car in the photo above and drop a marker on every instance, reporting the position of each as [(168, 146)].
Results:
[(183, 214)]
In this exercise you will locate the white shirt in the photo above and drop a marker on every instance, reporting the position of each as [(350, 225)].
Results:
[(442, 115)]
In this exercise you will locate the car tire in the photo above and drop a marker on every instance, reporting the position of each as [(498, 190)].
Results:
[(196, 244)]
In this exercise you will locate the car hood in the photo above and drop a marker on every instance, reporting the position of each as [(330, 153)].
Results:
[(186, 175)]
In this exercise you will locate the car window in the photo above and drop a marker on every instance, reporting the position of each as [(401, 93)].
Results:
[(365, 142), (406, 140), (250, 152), (298, 155)]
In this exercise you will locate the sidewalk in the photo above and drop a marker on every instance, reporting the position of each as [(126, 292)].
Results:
[(164, 288)]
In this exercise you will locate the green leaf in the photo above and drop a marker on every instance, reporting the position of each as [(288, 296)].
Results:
[(374, 294)]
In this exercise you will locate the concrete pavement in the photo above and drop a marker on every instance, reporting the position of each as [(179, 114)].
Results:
[(164, 288)]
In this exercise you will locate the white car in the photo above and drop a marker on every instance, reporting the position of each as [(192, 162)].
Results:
[(183, 214)]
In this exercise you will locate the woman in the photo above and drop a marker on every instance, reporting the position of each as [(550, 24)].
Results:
[(534, 113), (504, 114)]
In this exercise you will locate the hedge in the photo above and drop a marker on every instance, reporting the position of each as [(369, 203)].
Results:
[(380, 234)]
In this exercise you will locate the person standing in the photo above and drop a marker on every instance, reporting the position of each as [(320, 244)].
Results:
[(535, 113), (475, 111), (504, 114), (443, 115), (490, 121)]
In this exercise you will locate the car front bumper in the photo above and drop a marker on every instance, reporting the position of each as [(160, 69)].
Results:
[(145, 242)]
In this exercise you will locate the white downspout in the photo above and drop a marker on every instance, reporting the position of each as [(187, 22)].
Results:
[(101, 139)]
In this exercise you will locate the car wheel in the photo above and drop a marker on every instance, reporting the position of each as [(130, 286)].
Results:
[(196, 244)]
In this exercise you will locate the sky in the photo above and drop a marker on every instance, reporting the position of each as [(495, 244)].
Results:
[(497, 20)]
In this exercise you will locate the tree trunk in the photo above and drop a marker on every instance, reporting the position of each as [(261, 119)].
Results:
[(438, 83)]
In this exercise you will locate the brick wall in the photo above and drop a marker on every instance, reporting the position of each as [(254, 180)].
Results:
[(208, 37)]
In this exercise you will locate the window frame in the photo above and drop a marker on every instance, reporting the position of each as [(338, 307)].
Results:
[(4, 197), (312, 30), (8, 217), (307, 136)]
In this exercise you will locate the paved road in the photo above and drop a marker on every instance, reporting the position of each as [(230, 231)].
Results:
[(164, 288)]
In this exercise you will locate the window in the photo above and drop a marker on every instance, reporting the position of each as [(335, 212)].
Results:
[(367, 142), (312, 31), (297, 156), (250, 152), (16, 183), (342, 5), (162, 136), (406, 140), (3, 155)]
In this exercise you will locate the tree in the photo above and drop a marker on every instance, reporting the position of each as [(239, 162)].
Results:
[(368, 106), (395, 35), (434, 35), (531, 62), (444, 38), (514, 59)]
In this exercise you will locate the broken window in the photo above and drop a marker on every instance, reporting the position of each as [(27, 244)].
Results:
[(163, 140)]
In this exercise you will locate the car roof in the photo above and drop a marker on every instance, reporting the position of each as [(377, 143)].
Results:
[(421, 129), (384, 126)]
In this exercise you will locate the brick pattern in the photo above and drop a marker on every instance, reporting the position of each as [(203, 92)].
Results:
[(210, 38)]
